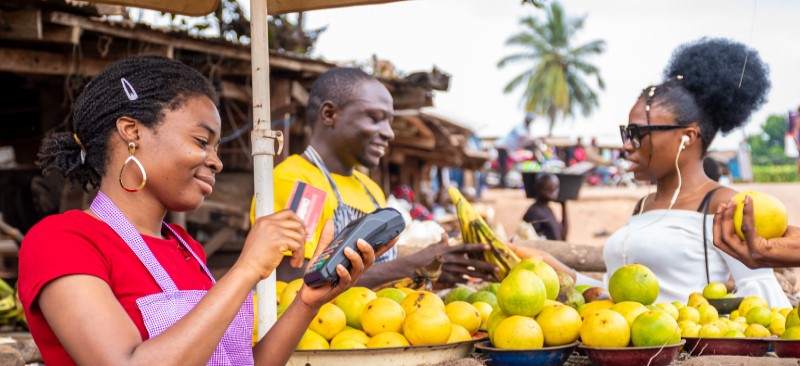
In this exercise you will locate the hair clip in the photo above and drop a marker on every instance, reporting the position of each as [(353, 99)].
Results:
[(129, 90), (679, 77), (83, 148), (651, 92)]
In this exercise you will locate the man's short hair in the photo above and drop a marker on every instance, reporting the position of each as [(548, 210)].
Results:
[(336, 85)]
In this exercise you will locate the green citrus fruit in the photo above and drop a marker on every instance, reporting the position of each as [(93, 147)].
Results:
[(633, 282)]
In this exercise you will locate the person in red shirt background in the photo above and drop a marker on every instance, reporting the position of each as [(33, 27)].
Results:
[(98, 285)]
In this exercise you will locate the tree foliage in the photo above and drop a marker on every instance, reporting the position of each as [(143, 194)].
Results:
[(556, 84), (767, 147)]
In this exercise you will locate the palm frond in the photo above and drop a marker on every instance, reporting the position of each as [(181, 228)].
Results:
[(558, 82)]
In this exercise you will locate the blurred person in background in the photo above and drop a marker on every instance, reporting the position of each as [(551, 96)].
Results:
[(517, 138)]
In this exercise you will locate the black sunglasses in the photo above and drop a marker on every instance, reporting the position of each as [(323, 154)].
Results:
[(635, 132)]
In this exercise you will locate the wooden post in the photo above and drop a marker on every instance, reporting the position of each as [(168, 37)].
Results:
[(263, 139)]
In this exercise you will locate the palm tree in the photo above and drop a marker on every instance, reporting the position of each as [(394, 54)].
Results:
[(556, 84)]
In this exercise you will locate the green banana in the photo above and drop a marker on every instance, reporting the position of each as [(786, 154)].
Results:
[(474, 229)]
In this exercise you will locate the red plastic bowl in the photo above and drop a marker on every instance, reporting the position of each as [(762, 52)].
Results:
[(654, 356), (754, 347), (786, 348)]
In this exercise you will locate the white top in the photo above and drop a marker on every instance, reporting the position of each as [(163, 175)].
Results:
[(668, 242), (517, 138)]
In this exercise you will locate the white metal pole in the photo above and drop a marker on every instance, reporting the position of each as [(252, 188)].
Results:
[(263, 140)]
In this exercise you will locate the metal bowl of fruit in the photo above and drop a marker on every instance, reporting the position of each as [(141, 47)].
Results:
[(546, 356), (726, 305), (625, 356), (753, 347), (787, 348)]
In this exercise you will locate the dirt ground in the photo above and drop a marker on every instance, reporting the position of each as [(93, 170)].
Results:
[(600, 211)]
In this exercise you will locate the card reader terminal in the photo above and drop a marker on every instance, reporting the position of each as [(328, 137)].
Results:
[(377, 228)]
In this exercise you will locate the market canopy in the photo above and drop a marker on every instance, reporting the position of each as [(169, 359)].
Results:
[(203, 7)]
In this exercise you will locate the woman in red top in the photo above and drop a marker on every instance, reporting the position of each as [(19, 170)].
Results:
[(99, 285)]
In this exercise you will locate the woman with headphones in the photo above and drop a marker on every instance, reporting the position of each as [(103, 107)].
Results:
[(710, 85)]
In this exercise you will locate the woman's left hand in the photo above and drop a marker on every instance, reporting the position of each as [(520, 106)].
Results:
[(754, 251), (315, 297)]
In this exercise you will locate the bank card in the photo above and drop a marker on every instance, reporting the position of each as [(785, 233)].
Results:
[(307, 201)]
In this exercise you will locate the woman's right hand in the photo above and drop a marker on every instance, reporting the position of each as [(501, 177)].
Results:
[(269, 237)]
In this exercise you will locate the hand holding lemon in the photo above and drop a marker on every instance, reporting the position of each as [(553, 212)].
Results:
[(753, 228)]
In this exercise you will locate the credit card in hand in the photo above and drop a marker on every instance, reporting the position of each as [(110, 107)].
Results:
[(307, 201)]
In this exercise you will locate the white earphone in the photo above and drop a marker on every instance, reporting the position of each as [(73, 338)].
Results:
[(684, 140)]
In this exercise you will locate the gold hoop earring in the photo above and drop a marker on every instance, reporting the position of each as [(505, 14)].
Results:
[(131, 158)]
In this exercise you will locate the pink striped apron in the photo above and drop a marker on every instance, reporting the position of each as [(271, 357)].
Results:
[(162, 310)]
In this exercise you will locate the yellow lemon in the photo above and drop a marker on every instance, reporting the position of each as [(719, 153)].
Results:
[(545, 272), (669, 309), (707, 313), (290, 291), (691, 330), (458, 334), (778, 324), (710, 331), (382, 315), (759, 315), (354, 334), (494, 320), (560, 325), (330, 320), (347, 344), (279, 287), (715, 290), (388, 339), (521, 293), (464, 314), (756, 331), (427, 325), (629, 309), (392, 293), (594, 306), (654, 328), (605, 328), (769, 214), (792, 318), (689, 313), (485, 310), (633, 282), (420, 299), (750, 302), (352, 302), (518, 332), (696, 301), (791, 333), (312, 340)]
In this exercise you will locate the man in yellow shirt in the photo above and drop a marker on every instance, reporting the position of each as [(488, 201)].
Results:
[(350, 114)]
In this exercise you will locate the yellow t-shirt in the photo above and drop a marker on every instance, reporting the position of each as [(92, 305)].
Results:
[(296, 168)]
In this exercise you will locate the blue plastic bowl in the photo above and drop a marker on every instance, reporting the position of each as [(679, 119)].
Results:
[(547, 356)]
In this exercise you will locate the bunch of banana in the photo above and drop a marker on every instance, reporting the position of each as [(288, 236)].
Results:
[(423, 278), (475, 230), (10, 307)]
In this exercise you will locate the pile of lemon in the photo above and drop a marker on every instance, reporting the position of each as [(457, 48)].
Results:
[(753, 319), (391, 317)]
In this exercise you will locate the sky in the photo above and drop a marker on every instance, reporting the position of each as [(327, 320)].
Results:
[(466, 38)]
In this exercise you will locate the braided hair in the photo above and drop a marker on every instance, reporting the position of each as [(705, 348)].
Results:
[(717, 83), (336, 85), (154, 84)]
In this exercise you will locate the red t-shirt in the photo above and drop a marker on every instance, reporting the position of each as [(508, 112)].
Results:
[(77, 243)]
